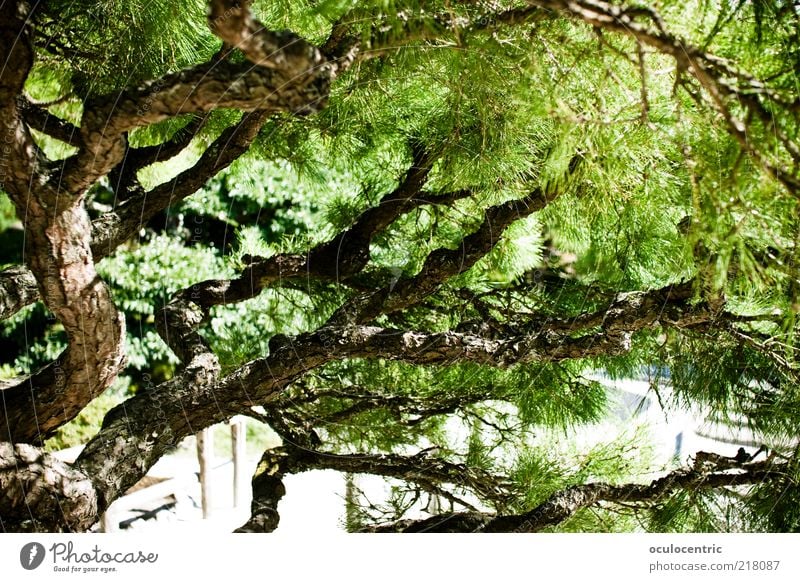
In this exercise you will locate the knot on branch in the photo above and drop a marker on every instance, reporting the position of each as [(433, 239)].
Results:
[(177, 324), (233, 22)]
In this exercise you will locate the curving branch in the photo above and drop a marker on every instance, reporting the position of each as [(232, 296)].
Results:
[(562, 505), (115, 227), (57, 251), (441, 264), (143, 427), (339, 259), (196, 90), (40, 493), (234, 23), (123, 177)]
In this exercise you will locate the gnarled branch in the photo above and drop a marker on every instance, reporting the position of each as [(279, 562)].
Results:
[(40, 493), (565, 503)]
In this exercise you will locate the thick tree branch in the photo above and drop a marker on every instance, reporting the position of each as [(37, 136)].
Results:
[(139, 431), (338, 259), (565, 503), (234, 23), (40, 493), (626, 313), (268, 489), (348, 47), (18, 284), (197, 90), (58, 233)]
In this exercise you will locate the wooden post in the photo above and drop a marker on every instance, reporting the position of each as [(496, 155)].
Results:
[(108, 523), (239, 446), (205, 454)]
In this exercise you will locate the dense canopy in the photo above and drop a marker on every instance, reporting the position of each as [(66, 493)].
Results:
[(418, 240)]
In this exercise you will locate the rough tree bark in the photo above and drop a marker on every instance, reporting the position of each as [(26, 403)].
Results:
[(58, 234)]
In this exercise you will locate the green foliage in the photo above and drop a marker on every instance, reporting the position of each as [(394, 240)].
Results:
[(241, 332), (732, 382), (147, 276), (143, 279), (555, 463), (273, 201), (32, 339), (115, 44), (502, 404), (774, 508), (692, 511)]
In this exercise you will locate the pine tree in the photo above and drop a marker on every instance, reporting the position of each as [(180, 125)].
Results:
[(411, 238)]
